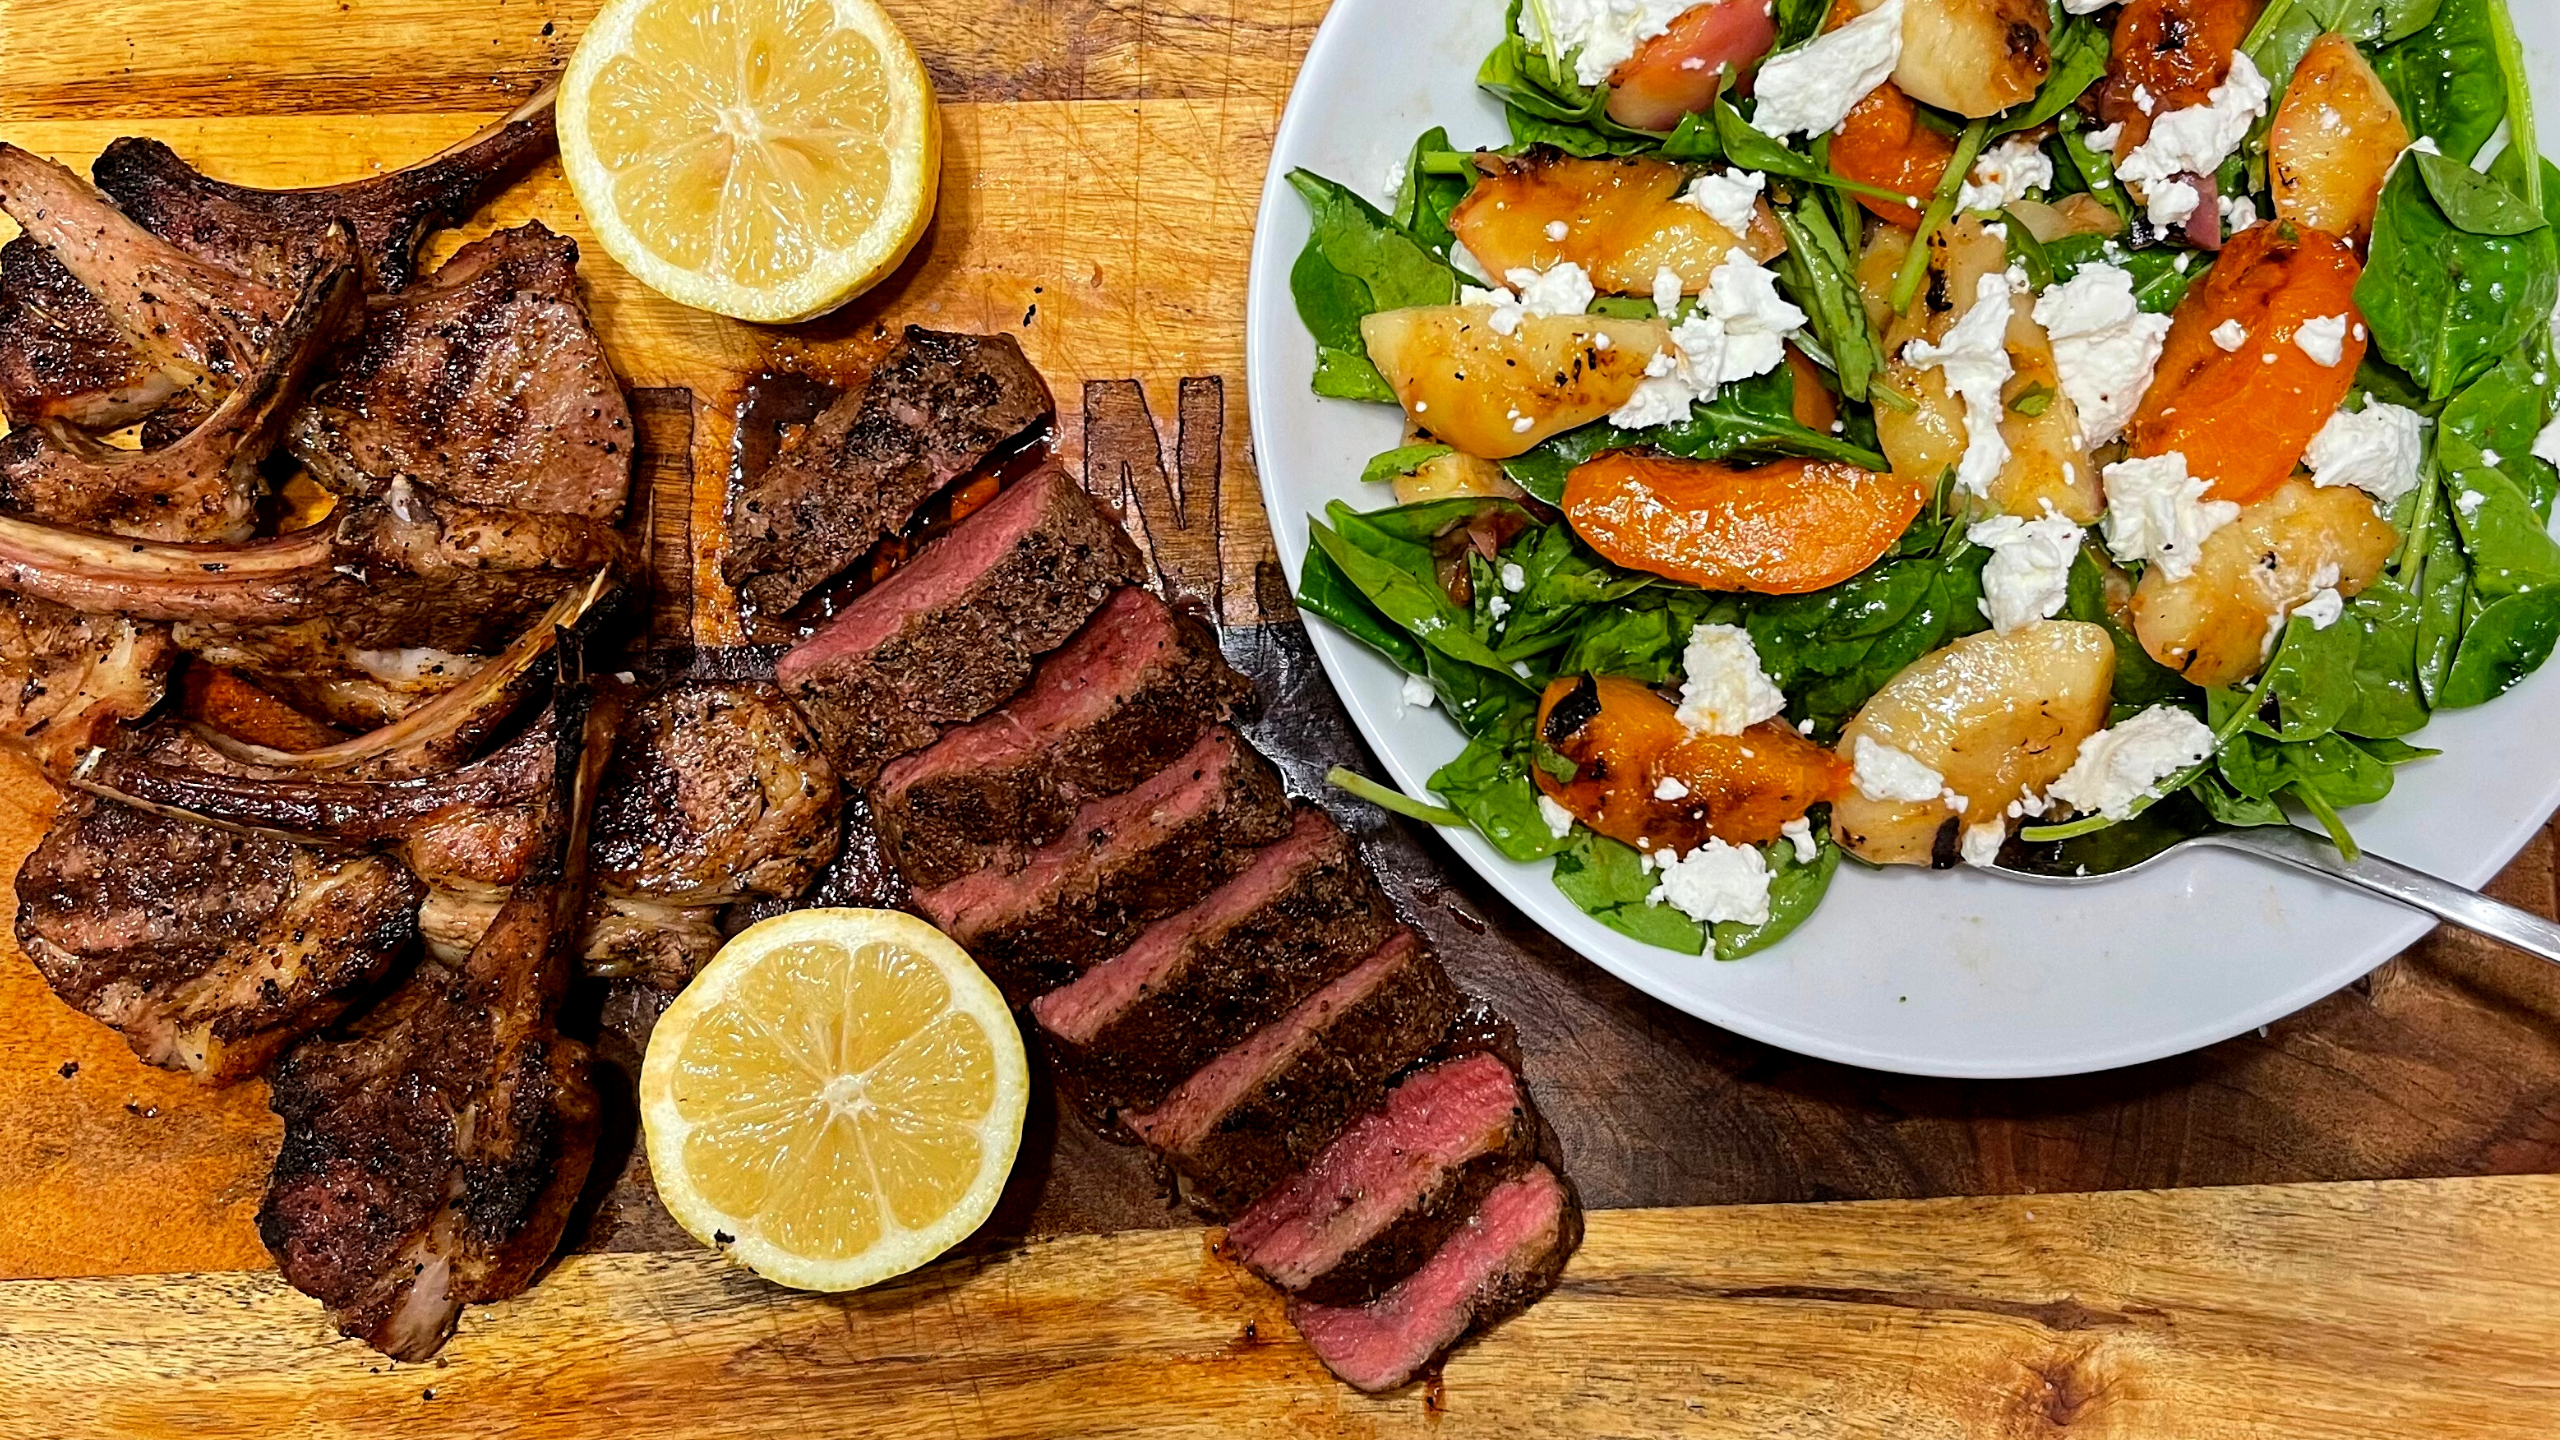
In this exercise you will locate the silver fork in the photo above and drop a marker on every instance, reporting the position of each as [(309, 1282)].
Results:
[(2138, 847)]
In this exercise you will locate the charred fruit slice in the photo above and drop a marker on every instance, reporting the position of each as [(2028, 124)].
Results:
[(1781, 529)]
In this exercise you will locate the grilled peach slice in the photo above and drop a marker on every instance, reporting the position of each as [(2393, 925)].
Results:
[(1681, 69), (2334, 142), (2217, 625), (1621, 220), (1782, 529), (1630, 751), (1494, 395), (1997, 716), (2168, 55), (1453, 476), (2243, 417), (1974, 57)]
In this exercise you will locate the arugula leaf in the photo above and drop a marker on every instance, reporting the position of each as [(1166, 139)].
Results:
[(2474, 202), (1608, 881), (1817, 268), (2508, 640), (1489, 784), (1402, 460), (2444, 304)]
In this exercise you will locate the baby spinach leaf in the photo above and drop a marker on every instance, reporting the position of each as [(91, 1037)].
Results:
[(1425, 521), (2387, 702), (2447, 76), (1609, 881), (1796, 888), (2092, 169), (2504, 412), (2510, 551), (2443, 304), (1482, 701), (1838, 647), (1357, 262), (2312, 679), (1799, 21), (1643, 637), (2472, 201), (1324, 591), (2162, 275), (1489, 784), (1411, 600), (1817, 269), (1402, 460), (2444, 594), (2509, 640), (2141, 682), (1428, 195), (1754, 418)]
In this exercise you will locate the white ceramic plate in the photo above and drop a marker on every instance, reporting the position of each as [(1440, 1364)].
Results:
[(1959, 973)]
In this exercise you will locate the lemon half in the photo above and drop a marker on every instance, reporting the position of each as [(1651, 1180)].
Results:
[(762, 159), (836, 1099)]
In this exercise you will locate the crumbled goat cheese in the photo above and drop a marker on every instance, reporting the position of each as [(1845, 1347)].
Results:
[(2105, 141), (1602, 34), (2117, 769), (1799, 833), (1670, 788), (2231, 335), (1731, 198), (1739, 330), (2004, 175), (2157, 513), (1557, 230), (2104, 347), (1418, 692), (2239, 213), (2469, 503), (1975, 357), (1464, 261), (1668, 287), (1725, 692), (2426, 145), (1811, 90), (1498, 607), (1883, 773), (2085, 7), (2323, 608), (2323, 338), (2195, 141), (2377, 449), (1559, 819), (2029, 574), (1717, 883), (1981, 844), (1564, 290), (1514, 579)]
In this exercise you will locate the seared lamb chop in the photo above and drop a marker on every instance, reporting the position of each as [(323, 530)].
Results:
[(62, 356), (431, 1156), (206, 486), (717, 794), (211, 950), (67, 680), (937, 407), (486, 382), (267, 233)]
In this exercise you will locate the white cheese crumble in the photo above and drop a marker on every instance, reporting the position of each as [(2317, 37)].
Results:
[(1496, 606), (2105, 141), (1668, 287), (1975, 357), (1717, 883), (1726, 692), (2377, 449), (2195, 141), (1559, 819), (2493, 459), (2469, 503), (1811, 90), (1883, 773), (2004, 175), (2323, 338), (1799, 833), (1980, 846), (2546, 446), (1602, 34), (2117, 769), (1739, 330), (2231, 335), (1564, 290), (2239, 213), (2323, 608), (2104, 347), (1514, 579), (1670, 788), (2157, 513), (1731, 199), (1418, 692), (2029, 574), (1464, 261), (2085, 7), (1557, 230)]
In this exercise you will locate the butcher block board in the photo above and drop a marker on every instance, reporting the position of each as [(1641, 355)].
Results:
[(1102, 162)]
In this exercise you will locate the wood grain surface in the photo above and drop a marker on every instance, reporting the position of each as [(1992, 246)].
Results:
[(1103, 161), (2339, 1312)]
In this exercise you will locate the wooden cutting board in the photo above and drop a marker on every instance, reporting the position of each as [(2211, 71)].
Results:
[(1104, 158)]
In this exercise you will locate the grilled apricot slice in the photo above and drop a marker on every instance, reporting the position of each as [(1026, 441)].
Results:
[(2243, 417), (1781, 529), (1630, 751), (1621, 220), (1883, 143), (2168, 55), (2334, 142)]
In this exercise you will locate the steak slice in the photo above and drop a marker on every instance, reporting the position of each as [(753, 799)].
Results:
[(954, 631), (1501, 1260), (1124, 699), (1302, 912), (1252, 1117), (209, 950), (1126, 860), (1384, 1195), (717, 793), (938, 407), (486, 382)]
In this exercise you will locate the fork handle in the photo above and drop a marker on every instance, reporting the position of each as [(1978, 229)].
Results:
[(2416, 889)]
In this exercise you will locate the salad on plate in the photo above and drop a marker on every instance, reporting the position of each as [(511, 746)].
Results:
[(1906, 429)]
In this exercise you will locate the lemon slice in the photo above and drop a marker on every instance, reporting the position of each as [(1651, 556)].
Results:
[(836, 1099), (763, 159)]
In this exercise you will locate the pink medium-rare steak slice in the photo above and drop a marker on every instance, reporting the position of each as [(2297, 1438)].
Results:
[(1391, 1188), (1257, 1113), (1129, 1030), (1124, 699), (954, 632), (1503, 1258), (1125, 860)]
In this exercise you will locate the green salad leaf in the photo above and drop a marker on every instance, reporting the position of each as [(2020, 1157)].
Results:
[(1357, 262)]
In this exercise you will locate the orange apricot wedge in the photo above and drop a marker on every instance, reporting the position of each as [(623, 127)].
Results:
[(1783, 528), (1624, 741)]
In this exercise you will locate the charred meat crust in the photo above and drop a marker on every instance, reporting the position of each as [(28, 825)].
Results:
[(939, 406), (717, 793)]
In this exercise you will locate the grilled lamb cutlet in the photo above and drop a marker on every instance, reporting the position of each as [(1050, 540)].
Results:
[(411, 569), (267, 233), (63, 358), (1124, 699), (69, 681), (953, 633), (431, 1155), (188, 318), (206, 486), (211, 950), (938, 407), (484, 381)]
